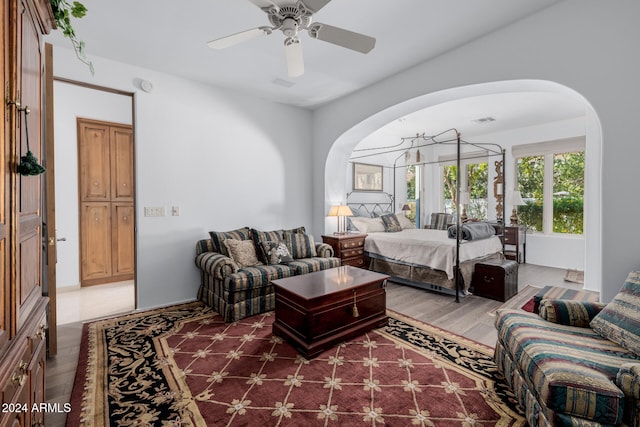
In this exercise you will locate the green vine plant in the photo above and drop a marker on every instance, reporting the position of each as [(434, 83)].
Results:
[(62, 13)]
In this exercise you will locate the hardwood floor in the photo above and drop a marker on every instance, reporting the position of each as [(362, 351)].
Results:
[(471, 318)]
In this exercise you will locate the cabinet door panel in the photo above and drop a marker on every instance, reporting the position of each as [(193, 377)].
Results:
[(95, 243), (123, 239), (30, 272), (122, 164), (94, 162)]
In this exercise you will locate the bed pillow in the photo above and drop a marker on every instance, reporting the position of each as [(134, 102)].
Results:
[(367, 225), (217, 237), (275, 252), (405, 222), (391, 223), (300, 245), (619, 321), (242, 252)]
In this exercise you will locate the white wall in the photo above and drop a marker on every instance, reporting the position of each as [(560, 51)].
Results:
[(226, 159), (583, 45)]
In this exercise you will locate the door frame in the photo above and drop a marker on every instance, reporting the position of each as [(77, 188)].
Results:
[(50, 201), (50, 243)]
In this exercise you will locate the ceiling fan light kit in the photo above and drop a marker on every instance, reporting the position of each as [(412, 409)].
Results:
[(291, 17)]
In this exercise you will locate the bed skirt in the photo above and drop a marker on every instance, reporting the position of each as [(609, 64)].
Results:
[(425, 277)]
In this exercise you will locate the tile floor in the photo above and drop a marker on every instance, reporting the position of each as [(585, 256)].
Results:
[(91, 302)]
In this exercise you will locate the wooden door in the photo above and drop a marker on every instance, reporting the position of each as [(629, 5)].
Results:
[(106, 202), (5, 209), (29, 188), (23, 306)]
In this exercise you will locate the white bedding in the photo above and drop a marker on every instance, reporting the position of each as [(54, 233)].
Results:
[(430, 248)]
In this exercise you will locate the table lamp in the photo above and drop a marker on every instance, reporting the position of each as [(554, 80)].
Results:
[(342, 212)]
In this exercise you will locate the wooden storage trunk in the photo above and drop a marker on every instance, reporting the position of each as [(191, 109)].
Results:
[(315, 311), (495, 279)]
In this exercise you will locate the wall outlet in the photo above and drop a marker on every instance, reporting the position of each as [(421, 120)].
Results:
[(175, 211), (154, 211)]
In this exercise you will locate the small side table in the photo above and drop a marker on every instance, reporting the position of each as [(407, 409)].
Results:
[(516, 238), (348, 247)]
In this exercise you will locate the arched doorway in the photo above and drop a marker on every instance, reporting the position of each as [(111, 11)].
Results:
[(337, 158)]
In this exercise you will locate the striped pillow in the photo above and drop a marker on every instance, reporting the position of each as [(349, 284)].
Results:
[(300, 245), (619, 321), (218, 237)]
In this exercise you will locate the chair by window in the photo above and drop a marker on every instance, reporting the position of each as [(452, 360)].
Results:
[(439, 221)]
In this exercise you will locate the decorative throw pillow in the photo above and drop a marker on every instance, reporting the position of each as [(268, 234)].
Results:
[(242, 252), (275, 252), (619, 321), (391, 223), (263, 236), (217, 237), (300, 245), (405, 222)]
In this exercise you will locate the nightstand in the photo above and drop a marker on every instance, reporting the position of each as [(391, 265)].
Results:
[(348, 247)]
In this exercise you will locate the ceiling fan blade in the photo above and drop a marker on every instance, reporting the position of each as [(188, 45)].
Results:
[(341, 37), (315, 5), (293, 53), (240, 37), (263, 3)]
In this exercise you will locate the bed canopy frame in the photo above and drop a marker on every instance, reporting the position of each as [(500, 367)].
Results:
[(442, 139)]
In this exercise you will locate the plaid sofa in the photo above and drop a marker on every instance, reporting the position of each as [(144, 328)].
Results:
[(239, 293), (563, 370)]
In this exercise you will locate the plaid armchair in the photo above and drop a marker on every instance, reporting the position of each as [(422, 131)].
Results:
[(439, 221)]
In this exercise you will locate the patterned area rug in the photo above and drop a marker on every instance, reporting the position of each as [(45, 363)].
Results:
[(182, 366)]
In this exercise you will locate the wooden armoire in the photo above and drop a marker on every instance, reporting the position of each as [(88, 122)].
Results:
[(23, 321)]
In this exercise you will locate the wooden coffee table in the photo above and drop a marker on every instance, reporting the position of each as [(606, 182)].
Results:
[(317, 310)]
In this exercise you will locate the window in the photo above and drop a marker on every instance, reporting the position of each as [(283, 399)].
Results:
[(475, 179), (531, 186), (413, 193), (568, 192), (551, 183)]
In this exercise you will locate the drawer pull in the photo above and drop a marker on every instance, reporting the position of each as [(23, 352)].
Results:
[(19, 377), (41, 332)]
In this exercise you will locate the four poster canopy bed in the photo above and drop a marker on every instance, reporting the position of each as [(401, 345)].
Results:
[(441, 260)]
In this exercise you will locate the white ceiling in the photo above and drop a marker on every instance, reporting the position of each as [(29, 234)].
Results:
[(171, 37)]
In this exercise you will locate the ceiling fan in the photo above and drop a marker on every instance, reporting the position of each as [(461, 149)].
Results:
[(291, 17)]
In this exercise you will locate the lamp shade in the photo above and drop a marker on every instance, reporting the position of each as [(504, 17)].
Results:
[(406, 207), (340, 210), (516, 198)]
